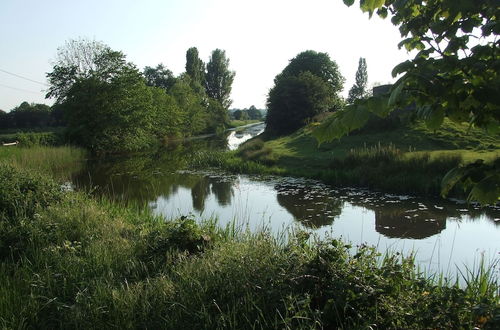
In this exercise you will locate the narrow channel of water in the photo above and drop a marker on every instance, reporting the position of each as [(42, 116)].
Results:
[(443, 234)]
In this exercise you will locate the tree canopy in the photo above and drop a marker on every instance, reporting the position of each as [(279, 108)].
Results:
[(454, 74), (159, 76), (307, 86), (111, 107), (294, 99), (319, 64), (195, 67), (219, 78), (82, 59)]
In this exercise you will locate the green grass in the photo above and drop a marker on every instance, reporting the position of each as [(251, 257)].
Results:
[(415, 162), (59, 162), (238, 123), (78, 262)]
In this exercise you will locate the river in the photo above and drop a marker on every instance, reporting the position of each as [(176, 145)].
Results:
[(442, 234)]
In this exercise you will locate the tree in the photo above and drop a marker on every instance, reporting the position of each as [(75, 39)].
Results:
[(4, 119), (82, 59), (254, 113), (159, 77), (32, 115), (358, 90), (219, 78), (192, 105), (455, 74), (295, 99), (318, 64), (111, 117), (307, 86), (195, 67), (237, 114), (218, 117), (105, 100)]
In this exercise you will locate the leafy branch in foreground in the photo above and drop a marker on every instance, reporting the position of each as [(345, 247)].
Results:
[(455, 73)]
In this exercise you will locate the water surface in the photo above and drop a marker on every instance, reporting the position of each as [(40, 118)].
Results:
[(443, 234)]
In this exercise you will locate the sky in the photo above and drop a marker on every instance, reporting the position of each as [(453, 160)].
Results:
[(259, 37)]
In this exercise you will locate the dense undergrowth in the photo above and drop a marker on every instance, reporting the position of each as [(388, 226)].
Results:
[(69, 260)]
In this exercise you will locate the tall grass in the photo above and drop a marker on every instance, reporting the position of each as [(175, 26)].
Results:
[(78, 262), (60, 162), (389, 168)]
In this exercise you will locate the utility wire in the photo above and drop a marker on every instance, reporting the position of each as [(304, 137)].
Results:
[(19, 89), (16, 75)]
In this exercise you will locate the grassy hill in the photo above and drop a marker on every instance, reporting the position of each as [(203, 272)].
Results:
[(408, 159)]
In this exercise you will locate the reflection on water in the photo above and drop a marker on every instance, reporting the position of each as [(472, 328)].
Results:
[(444, 233)]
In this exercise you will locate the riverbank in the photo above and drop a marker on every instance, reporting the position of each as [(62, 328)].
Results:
[(73, 261), (240, 123), (409, 159)]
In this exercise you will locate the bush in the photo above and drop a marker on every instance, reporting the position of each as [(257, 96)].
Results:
[(21, 194), (39, 139)]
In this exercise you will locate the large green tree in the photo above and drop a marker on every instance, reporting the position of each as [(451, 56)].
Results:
[(159, 76), (359, 89), (307, 86), (195, 67), (111, 116), (317, 63), (295, 99), (455, 74), (82, 59), (219, 78)]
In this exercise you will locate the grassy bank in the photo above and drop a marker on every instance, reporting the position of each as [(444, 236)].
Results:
[(58, 162), (238, 123), (408, 159), (71, 261)]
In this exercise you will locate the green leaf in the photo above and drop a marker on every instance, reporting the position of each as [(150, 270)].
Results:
[(331, 129), (397, 88), (355, 117), (378, 106), (487, 191), (348, 3), (435, 118), (451, 179), (402, 67)]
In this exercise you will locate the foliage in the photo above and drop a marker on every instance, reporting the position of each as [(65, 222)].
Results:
[(219, 78), (39, 139), (192, 104), (251, 113), (22, 192), (29, 116), (482, 180), (295, 99), (319, 64), (195, 67), (159, 77), (454, 73), (81, 59), (218, 118), (359, 89), (112, 116)]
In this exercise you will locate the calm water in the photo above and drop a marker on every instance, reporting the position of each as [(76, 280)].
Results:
[(443, 234)]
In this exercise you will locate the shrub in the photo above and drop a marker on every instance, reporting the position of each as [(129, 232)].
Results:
[(39, 139)]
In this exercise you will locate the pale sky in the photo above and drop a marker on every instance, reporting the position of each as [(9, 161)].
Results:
[(259, 36)]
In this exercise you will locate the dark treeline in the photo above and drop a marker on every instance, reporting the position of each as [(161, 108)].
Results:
[(251, 113), (31, 116)]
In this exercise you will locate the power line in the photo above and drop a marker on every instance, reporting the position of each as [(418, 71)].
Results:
[(19, 89), (16, 75)]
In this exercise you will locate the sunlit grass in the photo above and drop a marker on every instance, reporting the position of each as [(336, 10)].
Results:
[(60, 162)]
